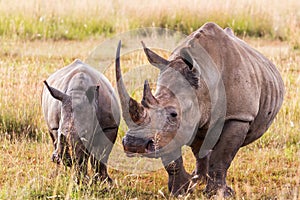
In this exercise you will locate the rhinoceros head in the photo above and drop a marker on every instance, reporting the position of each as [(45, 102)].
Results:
[(157, 123), (78, 119)]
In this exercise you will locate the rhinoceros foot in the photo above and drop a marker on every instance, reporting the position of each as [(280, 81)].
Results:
[(180, 184), (199, 176), (67, 160), (56, 158), (219, 191), (81, 179), (98, 178)]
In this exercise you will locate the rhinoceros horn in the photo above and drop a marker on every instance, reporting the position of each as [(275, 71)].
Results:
[(56, 93), (148, 98), (132, 110), (155, 59)]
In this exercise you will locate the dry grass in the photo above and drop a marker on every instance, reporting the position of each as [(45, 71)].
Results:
[(266, 169)]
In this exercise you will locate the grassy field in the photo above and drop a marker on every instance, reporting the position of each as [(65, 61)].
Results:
[(82, 18), (38, 37)]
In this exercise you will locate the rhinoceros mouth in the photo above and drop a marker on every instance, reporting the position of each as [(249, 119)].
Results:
[(134, 147)]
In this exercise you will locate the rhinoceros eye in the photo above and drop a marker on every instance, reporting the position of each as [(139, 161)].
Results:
[(171, 111), (173, 114)]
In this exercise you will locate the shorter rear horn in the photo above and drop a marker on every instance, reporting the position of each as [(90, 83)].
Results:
[(148, 98)]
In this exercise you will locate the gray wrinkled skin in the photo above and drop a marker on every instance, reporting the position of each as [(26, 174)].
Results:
[(82, 116), (210, 58)]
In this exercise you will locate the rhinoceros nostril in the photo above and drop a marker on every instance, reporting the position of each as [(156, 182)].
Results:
[(150, 147), (124, 144)]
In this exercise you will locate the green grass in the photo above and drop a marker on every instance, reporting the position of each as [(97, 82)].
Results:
[(54, 27), (84, 19)]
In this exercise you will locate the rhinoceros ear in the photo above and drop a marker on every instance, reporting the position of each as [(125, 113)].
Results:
[(229, 31), (92, 92), (154, 58), (192, 72), (185, 56), (189, 61), (56, 93)]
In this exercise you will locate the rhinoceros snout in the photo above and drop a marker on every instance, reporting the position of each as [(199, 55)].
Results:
[(136, 145)]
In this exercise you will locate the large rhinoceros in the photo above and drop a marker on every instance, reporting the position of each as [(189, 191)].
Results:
[(214, 93), (82, 115)]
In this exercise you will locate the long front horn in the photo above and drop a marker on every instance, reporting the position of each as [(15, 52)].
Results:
[(154, 58), (131, 109)]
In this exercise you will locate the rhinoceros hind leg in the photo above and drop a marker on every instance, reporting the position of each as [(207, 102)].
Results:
[(232, 138)]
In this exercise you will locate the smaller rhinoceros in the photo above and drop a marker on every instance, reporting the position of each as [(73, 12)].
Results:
[(82, 115)]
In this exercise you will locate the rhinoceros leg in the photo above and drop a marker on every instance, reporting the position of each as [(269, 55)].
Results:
[(61, 153), (179, 180), (53, 135), (80, 158), (201, 171), (55, 156), (232, 138), (103, 146), (100, 169)]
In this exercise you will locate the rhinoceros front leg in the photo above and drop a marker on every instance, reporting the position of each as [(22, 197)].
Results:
[(100, 169), (232, 138), (53, 134), (56, 158), (179, 180), (103, 144), (80, 158), (201, 171), (61, 152)]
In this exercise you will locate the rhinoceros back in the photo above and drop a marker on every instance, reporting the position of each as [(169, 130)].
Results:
[(254, 87)]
